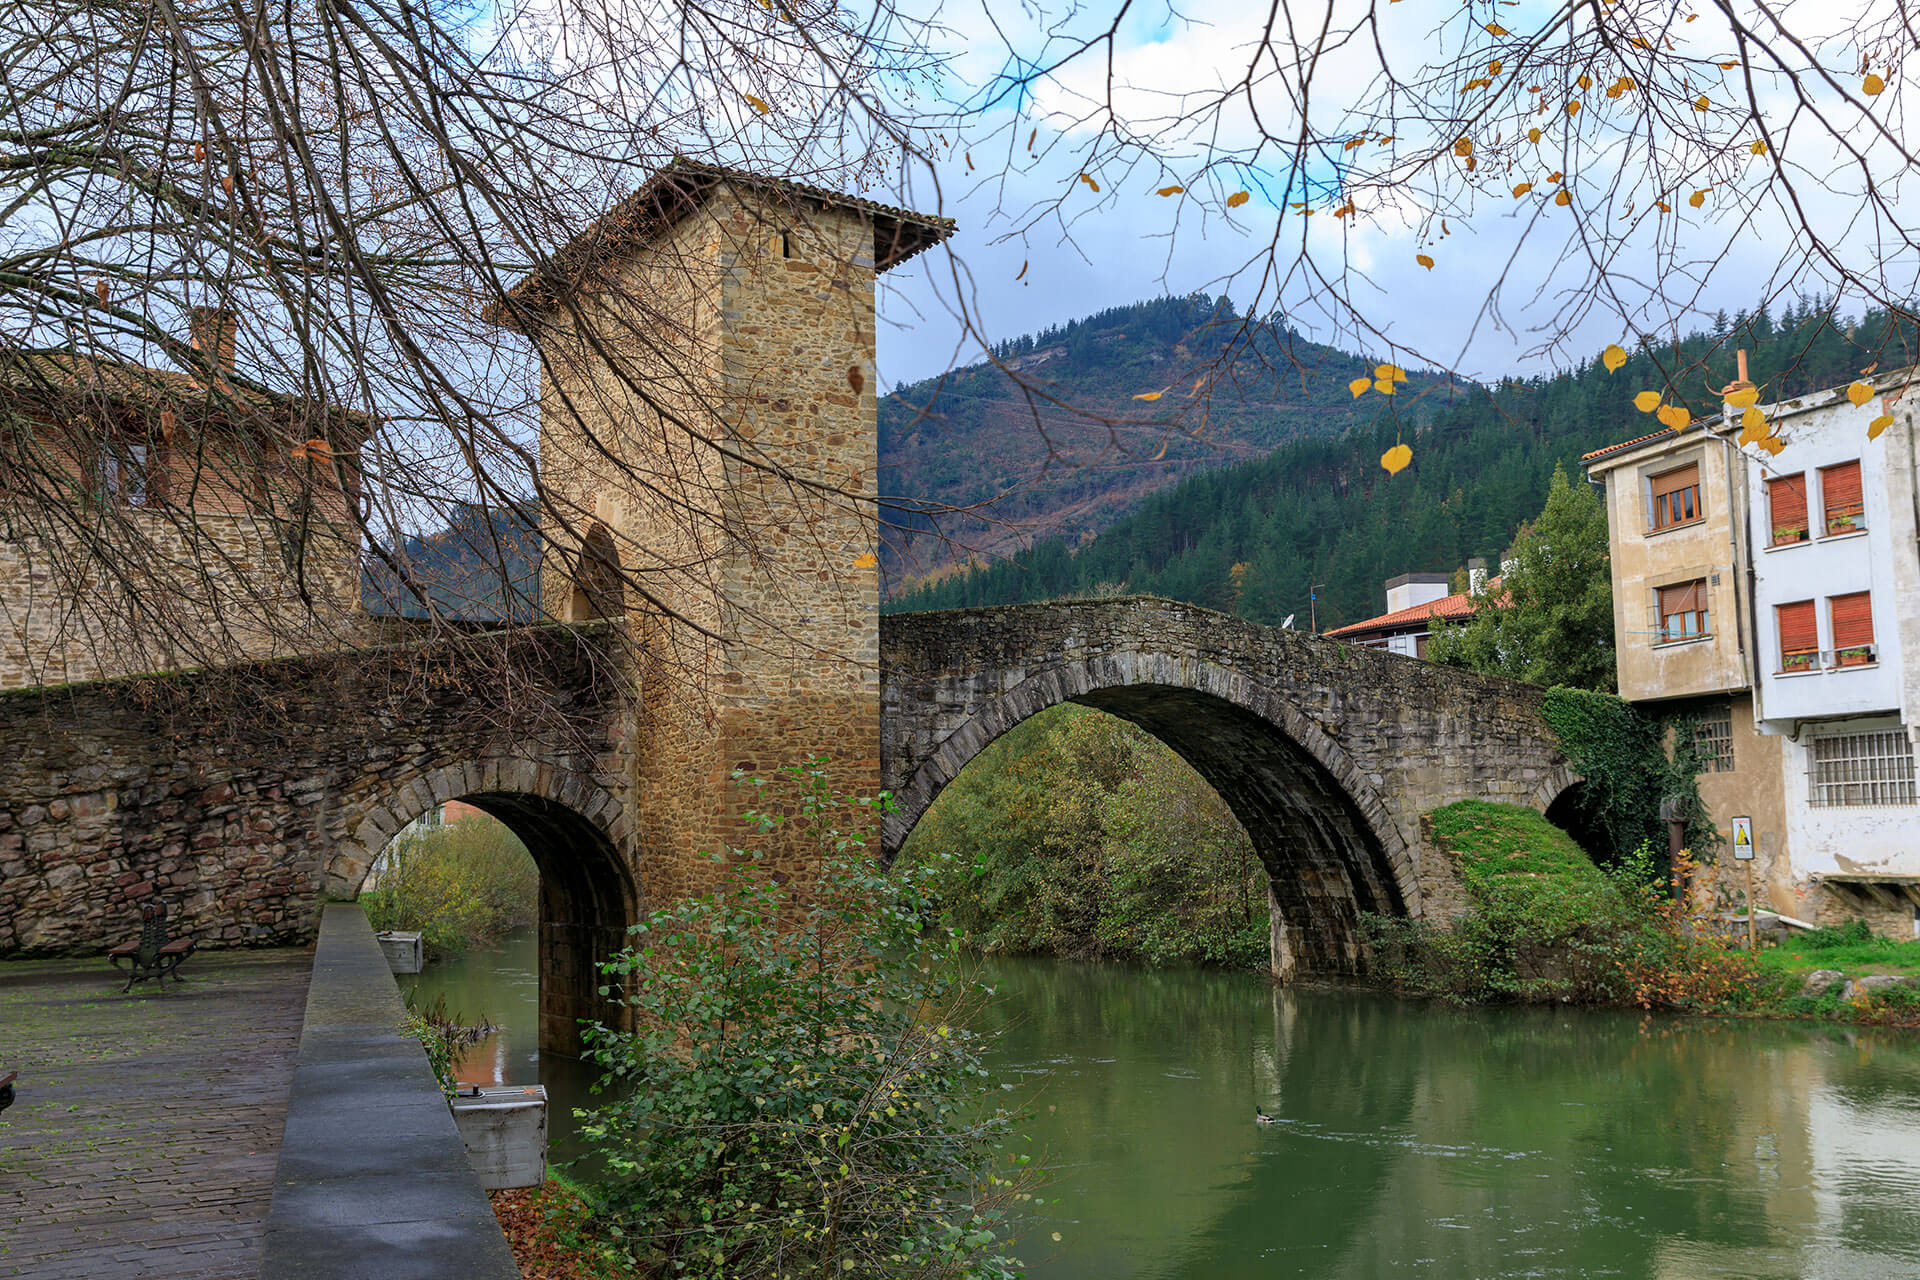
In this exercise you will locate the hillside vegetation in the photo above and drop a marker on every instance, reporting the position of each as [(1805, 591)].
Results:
[(1059, 439), (1253, 538)]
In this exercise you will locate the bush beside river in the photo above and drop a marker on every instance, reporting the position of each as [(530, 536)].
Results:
[(466, 884)]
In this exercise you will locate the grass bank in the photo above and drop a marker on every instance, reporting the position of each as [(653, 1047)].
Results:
[(1546, 924)]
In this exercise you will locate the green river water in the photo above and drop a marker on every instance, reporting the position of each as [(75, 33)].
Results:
[(1409, 1139)]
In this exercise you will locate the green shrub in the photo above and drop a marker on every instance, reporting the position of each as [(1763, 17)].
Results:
[(1851, 934), (797, 1095), (459, 886), (1547, 924)]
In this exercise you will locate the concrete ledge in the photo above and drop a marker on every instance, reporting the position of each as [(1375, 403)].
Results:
[(373, 1182)]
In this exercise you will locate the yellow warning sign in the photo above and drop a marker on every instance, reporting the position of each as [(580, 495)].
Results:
[(1743, 838)]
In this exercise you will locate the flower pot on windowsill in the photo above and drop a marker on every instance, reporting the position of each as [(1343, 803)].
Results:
[(1862, 656), (1848, 525), (1787, 537), (1798, 662)]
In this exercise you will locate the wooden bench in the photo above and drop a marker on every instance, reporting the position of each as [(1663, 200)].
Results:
[(154, 954)]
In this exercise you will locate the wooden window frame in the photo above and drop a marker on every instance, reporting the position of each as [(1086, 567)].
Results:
[(1700, 616), (1800, 657), (1852, 630), (1660, 501), (1778, 522), (1850, 515)]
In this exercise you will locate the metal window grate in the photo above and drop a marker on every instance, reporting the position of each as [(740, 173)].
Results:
[(1713, 735), (1863, 769)]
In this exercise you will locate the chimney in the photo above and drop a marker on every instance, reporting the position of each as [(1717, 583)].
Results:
[(212, 330), (1740, 382), (1476, 575)]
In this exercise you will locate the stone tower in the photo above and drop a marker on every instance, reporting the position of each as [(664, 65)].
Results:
[(708, 450)]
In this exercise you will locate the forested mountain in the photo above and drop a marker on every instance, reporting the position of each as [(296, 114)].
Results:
[(1252, 538), (1061, 442)]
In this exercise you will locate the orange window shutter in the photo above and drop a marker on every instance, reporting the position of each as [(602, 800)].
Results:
[(1840, 488), (1799, 631), (1673, 481), (1685, 598), (1852, 620), (1787, 497)]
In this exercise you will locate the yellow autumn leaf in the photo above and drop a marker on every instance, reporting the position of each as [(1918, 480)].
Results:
[(1562, 198), (1759, 147), (1873, 84), (1086, 178), (1700, 103), (1463, 146), (1586, 82), (1237, 199), (1728, 65), (1613, 357), (1573, 108), (1149, 395), (1383, 385), (1744, 398), (1697, 199), (757, 104), (1533, 135), (1773, 445), (1878, 425), (1170, 191), (1674, 416), (1859, 393), (1753, 426), (1359, 386), (1522, 189), (1493, 68), (1351, 143), (1647, 401), (865, 560), (1395, 460), (1423, 260), (1391, 372), (1663, 206), (1495, 29)]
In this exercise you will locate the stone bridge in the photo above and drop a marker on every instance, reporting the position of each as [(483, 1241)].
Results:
[(250, 795), (1327, 754)]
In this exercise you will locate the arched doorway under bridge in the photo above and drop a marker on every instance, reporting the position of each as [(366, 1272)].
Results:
[(588, 895)]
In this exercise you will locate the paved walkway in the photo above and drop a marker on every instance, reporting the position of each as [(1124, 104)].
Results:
[(147, 1129)]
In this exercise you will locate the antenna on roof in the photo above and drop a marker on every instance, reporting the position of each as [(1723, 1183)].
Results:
[(1288, 624)]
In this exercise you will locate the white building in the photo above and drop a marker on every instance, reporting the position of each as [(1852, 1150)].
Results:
[(1834, 550)]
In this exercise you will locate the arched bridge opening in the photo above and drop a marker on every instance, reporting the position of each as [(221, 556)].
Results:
[(588, 895), (1314, 822)]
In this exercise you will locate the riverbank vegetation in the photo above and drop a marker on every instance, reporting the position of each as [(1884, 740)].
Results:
[(798, 1093), (1077, 834), (1546, 924), (465, 884)]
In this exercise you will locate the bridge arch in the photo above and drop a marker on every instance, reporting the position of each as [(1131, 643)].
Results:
[(573, 828), (1318, 823)]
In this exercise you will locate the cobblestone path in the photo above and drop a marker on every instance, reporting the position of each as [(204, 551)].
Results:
[(145, 1134)]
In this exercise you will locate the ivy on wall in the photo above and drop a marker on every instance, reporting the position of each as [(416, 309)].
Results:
[(1621, 753)]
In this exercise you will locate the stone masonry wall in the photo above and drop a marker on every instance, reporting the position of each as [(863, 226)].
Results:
[(716, 413), (185, 588), (245, 795)]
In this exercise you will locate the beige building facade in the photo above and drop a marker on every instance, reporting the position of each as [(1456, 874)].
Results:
[(150, 522), (1781, 623)]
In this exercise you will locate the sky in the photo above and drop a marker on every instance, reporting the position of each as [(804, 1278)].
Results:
[(1731, 253)]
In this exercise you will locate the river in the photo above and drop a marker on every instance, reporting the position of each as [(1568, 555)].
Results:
[(1408, 1139)]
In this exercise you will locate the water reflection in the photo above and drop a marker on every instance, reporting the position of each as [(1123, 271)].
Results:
[(502, 987), (1410, 1139), (1436, 1142)]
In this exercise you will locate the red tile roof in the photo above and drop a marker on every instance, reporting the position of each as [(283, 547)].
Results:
[(1453, 608)]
